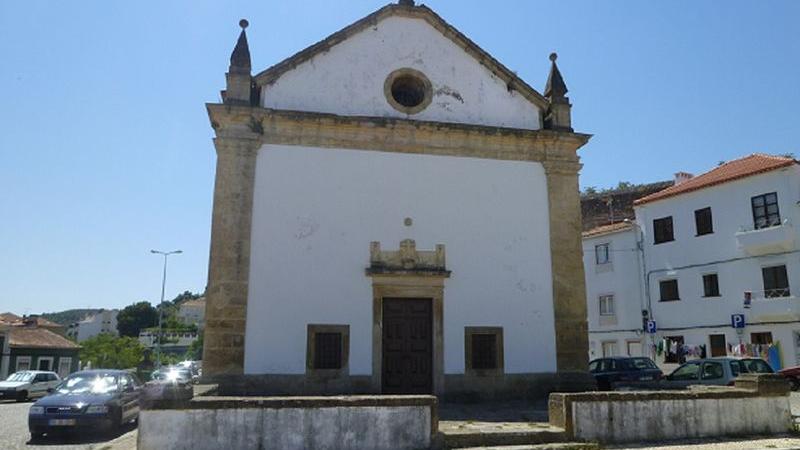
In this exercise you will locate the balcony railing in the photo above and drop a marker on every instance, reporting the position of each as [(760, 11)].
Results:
[(761, 241)]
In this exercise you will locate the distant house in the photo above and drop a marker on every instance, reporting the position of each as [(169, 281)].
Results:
[(33, 348), (174, 342), (32, 320), (192, 312), (102, 322)]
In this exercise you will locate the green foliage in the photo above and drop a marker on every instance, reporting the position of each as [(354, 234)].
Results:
[(135, 317), (106, 351), (187, 295), (195, 351), (69, 316)]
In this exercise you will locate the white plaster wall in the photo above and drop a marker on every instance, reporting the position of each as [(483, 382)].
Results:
[(657, 420), (618, 278), (348, 79), (316, 210), (373, 428), (731, 211)]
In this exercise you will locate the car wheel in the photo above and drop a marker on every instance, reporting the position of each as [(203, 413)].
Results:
[(22, 396), (795, 383)]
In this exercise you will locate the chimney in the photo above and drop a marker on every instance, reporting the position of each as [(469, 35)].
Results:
[(681, 177)]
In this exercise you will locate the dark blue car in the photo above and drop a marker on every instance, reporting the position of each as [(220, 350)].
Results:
[(100, 400), (624, 370)]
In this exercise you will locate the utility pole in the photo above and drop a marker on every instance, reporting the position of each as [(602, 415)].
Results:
[(161, 304)]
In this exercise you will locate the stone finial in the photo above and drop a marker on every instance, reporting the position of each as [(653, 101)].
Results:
[(240, 88), (558, 114), (405, 2), (555, 88), (240, 58)]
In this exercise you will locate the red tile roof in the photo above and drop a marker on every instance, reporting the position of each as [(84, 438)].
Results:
[(9, 318), (28, 337), (754, 164), (606, 229)]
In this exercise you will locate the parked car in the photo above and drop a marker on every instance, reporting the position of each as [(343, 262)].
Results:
[(91, 399), (714, 371), (612, 372), (26, 384), (793, 375), (176, 374)]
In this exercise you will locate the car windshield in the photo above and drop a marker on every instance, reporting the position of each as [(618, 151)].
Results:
[(102, 383), (639, 363), (21, 376)]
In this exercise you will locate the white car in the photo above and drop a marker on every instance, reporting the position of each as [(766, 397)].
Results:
[(26, 384)]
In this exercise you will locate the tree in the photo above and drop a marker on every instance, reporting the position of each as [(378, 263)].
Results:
[(106, 351), (134, 317), (187, 295), (195, 351)]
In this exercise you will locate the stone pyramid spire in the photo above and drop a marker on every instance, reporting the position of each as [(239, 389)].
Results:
[(239, 88), (555, 88), (558, 114), (240, 58)]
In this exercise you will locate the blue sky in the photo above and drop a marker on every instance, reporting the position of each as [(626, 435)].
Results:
[(105, 146)]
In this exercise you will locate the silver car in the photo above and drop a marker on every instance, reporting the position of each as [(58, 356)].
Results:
[(714, 371)]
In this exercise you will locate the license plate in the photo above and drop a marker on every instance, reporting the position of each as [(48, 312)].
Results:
[(646, 378), (61, 422)]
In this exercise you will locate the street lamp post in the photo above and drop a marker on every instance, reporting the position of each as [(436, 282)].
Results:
[(161, 305)]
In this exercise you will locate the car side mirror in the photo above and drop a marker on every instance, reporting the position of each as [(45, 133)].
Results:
[(50, 390), (128, 388)]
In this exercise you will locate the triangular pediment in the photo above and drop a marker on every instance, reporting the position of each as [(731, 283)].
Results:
[(351, 71)]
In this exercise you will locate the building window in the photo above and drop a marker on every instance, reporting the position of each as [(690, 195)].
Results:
[(710, 285), (327, 349), (776, 282), (23, 363), (408, 91), (601, 254), (703, 222), (764, 338), (64, 366), (483, 350), (609, 349), (606, 305), (669, 290), (662, 230), (45, 363), (765, 210)]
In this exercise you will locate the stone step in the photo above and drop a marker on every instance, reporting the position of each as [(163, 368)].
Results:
[(466, 434), (554, 446)]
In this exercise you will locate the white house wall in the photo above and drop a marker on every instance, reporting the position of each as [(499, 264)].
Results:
[(720, 253), (348, 79), (618, 278), (316, 210)]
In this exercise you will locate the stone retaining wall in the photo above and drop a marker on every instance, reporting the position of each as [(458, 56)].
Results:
[(353, 422), (759, 404)]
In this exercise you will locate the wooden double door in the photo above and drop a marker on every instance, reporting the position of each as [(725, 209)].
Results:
[(407, 343)]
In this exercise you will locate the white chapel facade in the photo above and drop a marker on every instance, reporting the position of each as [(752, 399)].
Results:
[(394, 212)]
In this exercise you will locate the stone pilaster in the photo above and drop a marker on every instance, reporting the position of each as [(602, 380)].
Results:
[(569, 285), (229, 261)]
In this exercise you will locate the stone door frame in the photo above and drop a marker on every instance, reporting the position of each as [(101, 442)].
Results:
[(409, 286)]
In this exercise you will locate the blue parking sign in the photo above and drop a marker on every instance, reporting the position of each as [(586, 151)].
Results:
[(651, 326), (737, 320)]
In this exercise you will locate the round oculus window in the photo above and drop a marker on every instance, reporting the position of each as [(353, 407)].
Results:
[(408, 90)]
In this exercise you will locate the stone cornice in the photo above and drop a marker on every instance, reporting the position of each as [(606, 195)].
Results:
[(270, 126)]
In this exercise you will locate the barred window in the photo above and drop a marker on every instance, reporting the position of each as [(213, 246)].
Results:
[(328, 351), (484, 351)]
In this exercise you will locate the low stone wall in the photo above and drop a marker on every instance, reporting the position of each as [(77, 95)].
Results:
[(759, 404), (351, 422)]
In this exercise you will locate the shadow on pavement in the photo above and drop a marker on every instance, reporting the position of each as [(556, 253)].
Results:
[(77, 437)]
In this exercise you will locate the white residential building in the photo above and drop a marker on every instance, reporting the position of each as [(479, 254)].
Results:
[(104, 321), (613, 291), (706, 242), (192, 312)]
